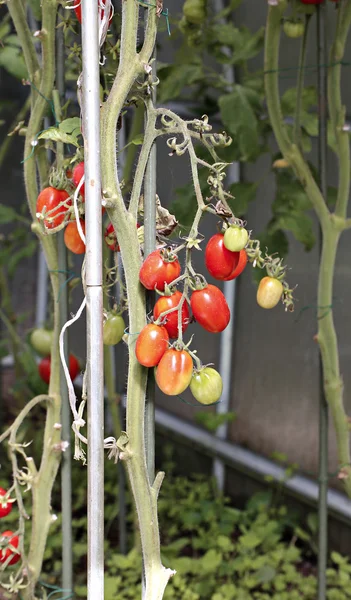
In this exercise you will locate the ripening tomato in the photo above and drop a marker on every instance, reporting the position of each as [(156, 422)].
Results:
[(41, 340), (239, 267), (5, 554), (293, 29), (151, 345), (210, 308), (269, 292), (78, 10), (113, 330), (219, 261), (44, 368), (5, 505), (77, 175), (174, 372), (72, 239), (159, 268), (50, 197), (235, 238), (206, 385), (171, 320)]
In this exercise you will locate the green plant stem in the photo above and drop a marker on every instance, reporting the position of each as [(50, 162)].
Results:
[(300, 80), (18, 15), (149, 138), (133, 447), (330, 226), (130, 152), (337, 110)]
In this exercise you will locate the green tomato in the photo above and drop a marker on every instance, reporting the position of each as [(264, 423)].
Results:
[(235, 238), (206, 385), (294, 29), (41, 340), (113, 330), (194, 11)]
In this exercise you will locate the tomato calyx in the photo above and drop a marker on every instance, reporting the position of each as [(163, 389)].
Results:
[(168, 254), (58, 179), (198, 282)]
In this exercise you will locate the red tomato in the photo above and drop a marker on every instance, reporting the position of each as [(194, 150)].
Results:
[(72, 238), (4, 554), (159, 268), (239, 267), (78, 10), (151, 345), (45, 368), (174, 372), (220, 262), (50, 198), (77, 175), (210, 308), (171, 321), (5, 507), (312, 1)]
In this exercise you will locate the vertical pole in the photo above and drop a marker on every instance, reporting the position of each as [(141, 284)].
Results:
[(227, 336), (322, 60), (94, 296)]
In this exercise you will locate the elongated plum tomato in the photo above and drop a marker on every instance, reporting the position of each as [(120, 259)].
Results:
[(219, 261), (235, 238), (210, 308), (78, 10), (269, 292), (44, 368), (113, 330), (5, 505), (50, 197), (41, 340), (171, 320), (174, 372), (239, 267), (77, 175), (72, 239), (5, 554), (206, 385), (151, 345), (159, 268)]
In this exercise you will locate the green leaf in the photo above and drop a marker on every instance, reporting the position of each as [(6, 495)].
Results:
[(312, 522), (211, 561), (24, 252), (265, 574), (300, 225), (211, 421), (289, 99), (71, 125), (179, 76), (243, 192), (12, 60), (56, 135), (259, 501), (247, 45), (250, 540), (239, 118), (7, 214)]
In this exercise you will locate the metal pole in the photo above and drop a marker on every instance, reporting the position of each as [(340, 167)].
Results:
[(227, 336), (94, 296), (322, 60), (66, 474)]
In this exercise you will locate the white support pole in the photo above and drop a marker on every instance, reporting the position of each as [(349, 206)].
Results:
[(95, 387), (227, 336)]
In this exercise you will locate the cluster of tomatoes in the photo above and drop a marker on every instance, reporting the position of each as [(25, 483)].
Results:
[(295, 27), (41, 340), (8, 539)]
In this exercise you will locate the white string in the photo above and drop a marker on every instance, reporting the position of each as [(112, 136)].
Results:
[(76, 211)]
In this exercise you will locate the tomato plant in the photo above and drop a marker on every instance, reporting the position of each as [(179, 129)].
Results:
[(239, 267), (171, 320), (159, 268), (77, 175), (113, 329), (174, 371), (51, 198), (194, 11), (44, 368), (8, 537), (5, 505), (151, 344), (41, 340), (111, 237), (73, 241), (206, 385), (293, 29), (210, 308), (235, 238), (220, 262), (269, 292)]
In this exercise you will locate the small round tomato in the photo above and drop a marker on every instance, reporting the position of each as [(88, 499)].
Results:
[(159, 268), (294, 29), (206, 385), (44, 368), (72, 239), (6, 553), (174, 372), (151, 345), (210, 308), (219, 261), (50, 198), (239, 267), (113, 330), (194, 11), (171, 320), (5, 505), (235, 238), (269, 292), (41, 340), (77, 175)]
